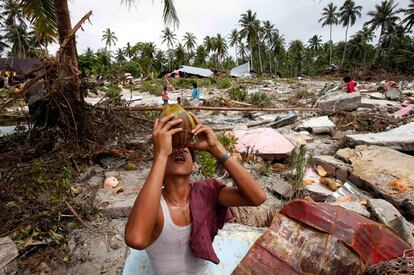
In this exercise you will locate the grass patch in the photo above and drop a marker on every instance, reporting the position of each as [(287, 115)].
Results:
[(259, 99), (238, 93), (187, 83), (153, 87), (112, 90), (223, 83), (298, 164)]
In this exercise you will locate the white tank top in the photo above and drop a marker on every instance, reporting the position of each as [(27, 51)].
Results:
[(171, 252)]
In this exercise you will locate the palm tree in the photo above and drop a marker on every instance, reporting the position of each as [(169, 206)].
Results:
[(19, 38), (119, 56), (348, 14), (409, 17), (242, 50), (89, 52), (109, 38), (315, 43), (248, 24), (169, 37), (384, 17), (296, 53), (221, 47), (329, 17), (12, 13), (234, 40), (277, 47), (268, 30), (201, 56), (180, 54), (208, 43), (189, 41)]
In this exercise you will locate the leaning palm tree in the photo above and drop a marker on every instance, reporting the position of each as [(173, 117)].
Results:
[(385, 17), (234, 40), (190, 41), (109, 38), (330, 18), (409, 17), (169, 37), (315, 43), (248, 24), (348, 14)]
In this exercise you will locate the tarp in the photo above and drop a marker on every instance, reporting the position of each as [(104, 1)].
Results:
[(241, 71), (196, 71)]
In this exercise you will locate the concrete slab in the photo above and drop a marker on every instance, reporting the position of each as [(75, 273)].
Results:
[(377, 168), (231, 245), (354, 206), (266, 142), (380, 103), (339, 101), (376, 95), (383, 210), (404, 111), (317, 125), (401, 138)]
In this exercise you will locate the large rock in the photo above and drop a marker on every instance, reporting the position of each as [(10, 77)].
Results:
[(354, 206), (383, 210), (317, 125), (339, 101), (376, 168), (381, 104), (401, 138), (284, 119)]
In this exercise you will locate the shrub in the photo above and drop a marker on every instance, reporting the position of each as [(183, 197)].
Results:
[(259, 99), (112, 90), (152, 87), (133, 68), (223, 83), (238, 93)]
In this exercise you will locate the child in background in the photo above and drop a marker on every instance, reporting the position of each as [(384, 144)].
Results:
[(165, 96), (350, 84)]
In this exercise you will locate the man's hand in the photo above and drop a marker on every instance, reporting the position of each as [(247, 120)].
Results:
[(162, 135), (207, 139)]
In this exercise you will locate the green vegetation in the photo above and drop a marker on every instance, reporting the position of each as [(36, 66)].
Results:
[(187, 83), (154, 87), (207, 163), (259, 99), (238, 92), (299, 162), (223, 83), (112, 90)]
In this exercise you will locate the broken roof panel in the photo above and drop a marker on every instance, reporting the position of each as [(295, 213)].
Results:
[(241, 71), (196, 71), (22, 66)]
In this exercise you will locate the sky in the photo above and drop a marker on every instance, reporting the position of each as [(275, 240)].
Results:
[(295, 19)]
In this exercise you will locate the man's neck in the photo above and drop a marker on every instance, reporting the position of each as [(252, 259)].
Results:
[(178, 189)]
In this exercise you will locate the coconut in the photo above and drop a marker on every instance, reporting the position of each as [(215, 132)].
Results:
[(183, 138), (110, 182)]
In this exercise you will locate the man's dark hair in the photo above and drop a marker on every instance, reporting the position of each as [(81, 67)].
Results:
[(347, 79), (193, 155), (194, 84), (165, 88)]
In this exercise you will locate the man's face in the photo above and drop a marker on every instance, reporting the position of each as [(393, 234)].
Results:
[(179, 163)]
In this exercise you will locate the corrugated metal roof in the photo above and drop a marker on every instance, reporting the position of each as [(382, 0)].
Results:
[(241, 71), (196, 71)]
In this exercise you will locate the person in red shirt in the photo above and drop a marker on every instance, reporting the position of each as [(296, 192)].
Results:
[(350, 84), (165, 96)]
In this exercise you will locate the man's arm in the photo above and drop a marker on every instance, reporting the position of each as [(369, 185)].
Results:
[(247, 192), (143, 217)]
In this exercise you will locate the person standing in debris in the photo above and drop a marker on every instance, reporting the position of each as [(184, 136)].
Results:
[(175, 221), (165, 96), (179, 100), (195, 95), (350, 84)]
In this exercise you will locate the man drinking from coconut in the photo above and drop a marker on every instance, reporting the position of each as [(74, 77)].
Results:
[(175, 221)]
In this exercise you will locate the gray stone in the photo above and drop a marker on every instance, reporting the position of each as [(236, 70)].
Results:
[(383, 210), (285, 119), (317, 125), (376, 167), (335, 167), (120, 204), (376, 95), (318, 192), (354, 206), (403, 228), (381, 104), (401, 138), (393, 94), (277, 186), (408, 92), (339, 101)]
